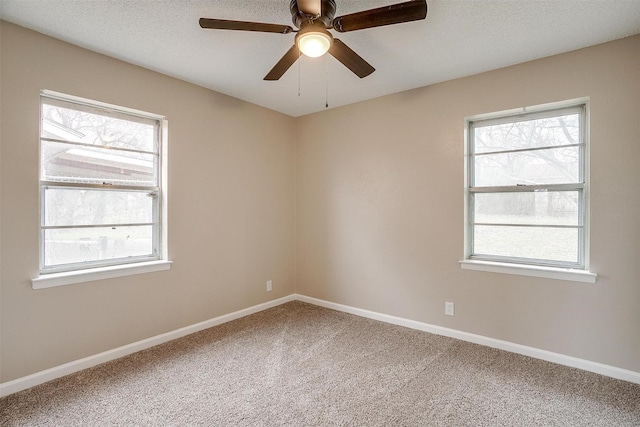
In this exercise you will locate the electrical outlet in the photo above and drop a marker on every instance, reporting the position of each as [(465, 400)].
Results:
[(269, 285), (449, 308)]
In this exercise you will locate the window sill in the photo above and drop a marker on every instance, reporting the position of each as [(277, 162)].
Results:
[(88, 275), (531, 270)]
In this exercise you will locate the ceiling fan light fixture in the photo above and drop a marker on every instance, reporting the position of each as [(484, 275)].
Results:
[(314, 18), (314, 42)]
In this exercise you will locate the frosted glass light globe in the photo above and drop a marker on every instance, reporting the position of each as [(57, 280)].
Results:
[(314, 43)]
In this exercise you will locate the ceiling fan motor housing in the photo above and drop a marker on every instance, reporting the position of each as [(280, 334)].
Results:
[(301, 19)]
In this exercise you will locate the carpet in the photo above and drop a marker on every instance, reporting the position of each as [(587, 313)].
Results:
[(302, 365)]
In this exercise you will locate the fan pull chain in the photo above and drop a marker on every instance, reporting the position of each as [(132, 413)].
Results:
[(326, 93), (299, 66)]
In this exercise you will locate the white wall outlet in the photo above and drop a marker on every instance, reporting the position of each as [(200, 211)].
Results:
[(269, 286), (449, 308)]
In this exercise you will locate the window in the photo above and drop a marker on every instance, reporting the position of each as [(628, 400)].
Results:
[(100, 185), (527, 188)]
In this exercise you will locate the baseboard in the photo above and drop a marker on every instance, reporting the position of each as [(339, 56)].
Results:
[(32, 380), (561, 359), (41, 377)]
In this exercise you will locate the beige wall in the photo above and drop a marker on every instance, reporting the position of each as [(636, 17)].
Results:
[(380, 208), (375, 191), (231, 207)]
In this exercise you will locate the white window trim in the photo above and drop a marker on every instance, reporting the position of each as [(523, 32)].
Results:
[(530, 270), (91, 274), (97, 104), (577, 275), (49, 280)]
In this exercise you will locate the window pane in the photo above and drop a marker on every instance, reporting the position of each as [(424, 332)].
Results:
[(78, 245), (547, 208), (548, 166), (542, 243), (71, 163), (90, 127), (80, 206), (552, 131), (99, 184)]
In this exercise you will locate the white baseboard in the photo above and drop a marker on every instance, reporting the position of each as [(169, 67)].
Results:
[(561, 359), (41, 377)]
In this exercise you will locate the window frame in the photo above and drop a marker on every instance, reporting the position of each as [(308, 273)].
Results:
[(529, 266), (75, 272)]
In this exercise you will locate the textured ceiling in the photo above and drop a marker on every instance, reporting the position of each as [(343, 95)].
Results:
[(458, 38)]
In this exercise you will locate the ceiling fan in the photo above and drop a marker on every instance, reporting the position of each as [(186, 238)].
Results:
[(314, 19)]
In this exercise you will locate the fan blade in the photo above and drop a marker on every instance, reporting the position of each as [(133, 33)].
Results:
[(310, 7), (387, 15), (222, 24), (284, 64), (350, 59)]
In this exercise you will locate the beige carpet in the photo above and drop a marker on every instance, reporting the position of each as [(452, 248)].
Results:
[(302, 365)]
